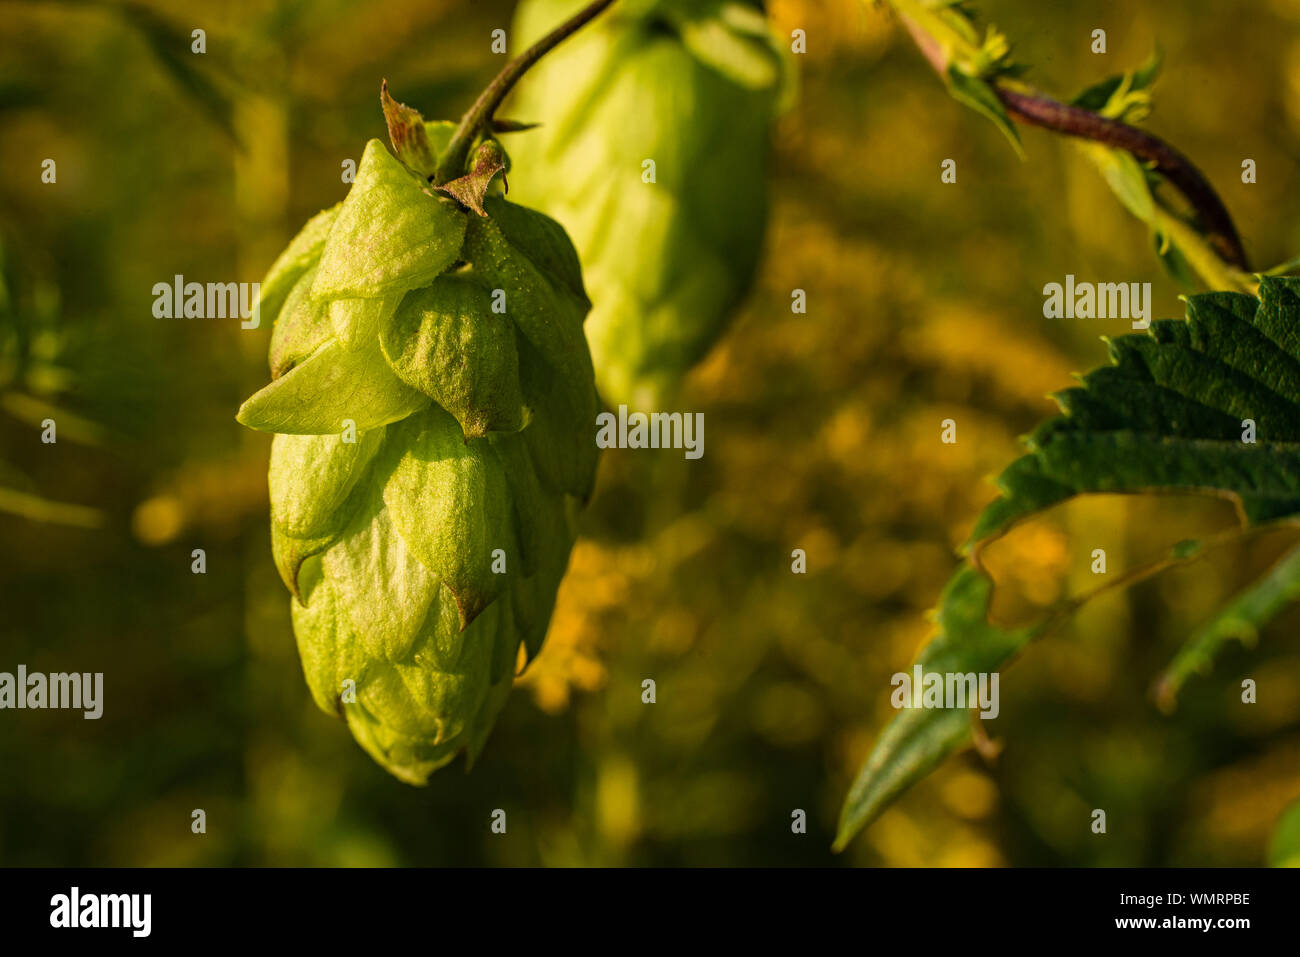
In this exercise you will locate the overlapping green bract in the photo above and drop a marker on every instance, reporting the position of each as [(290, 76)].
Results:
[(1168, 414), (691, 85), (422, 554)]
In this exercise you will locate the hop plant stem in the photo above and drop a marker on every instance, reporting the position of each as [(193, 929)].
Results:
[(1030, 106), (1040, 110), (480, 114)]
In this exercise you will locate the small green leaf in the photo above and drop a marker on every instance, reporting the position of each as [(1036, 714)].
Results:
[(1146, 74), (918, 739), (1099, 96), (1175, 262), (1095, 97), (390, 235), (512, 126), (1126, 178), (979, 96)]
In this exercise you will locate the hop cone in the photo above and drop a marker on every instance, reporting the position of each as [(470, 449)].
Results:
[(432, 398), (692, 85)]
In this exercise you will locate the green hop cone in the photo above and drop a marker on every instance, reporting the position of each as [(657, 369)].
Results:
[(692, 85), (433, 399)]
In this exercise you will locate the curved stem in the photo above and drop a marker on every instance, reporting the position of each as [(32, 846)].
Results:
[(1039, 110), (1036, 109), (480, 114)]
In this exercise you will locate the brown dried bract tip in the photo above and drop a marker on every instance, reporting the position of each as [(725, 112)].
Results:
[(407, 133)]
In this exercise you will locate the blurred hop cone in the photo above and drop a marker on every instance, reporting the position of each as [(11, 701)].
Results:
[(432, 400), (691, 85)]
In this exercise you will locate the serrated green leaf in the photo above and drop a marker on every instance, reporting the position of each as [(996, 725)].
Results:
[(333, 386), (447, 341), (1166, 415), (390, 235), (1195, 383), (1279, 306)]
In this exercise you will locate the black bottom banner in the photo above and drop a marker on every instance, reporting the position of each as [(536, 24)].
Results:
[(306, 907)]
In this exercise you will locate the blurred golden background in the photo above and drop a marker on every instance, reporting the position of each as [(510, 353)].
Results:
[(924, 303)]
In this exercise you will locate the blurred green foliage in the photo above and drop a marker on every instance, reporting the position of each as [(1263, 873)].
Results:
[(822, 434)]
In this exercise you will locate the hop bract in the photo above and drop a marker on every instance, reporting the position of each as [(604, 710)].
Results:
[(433, 399), (669, 249)]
